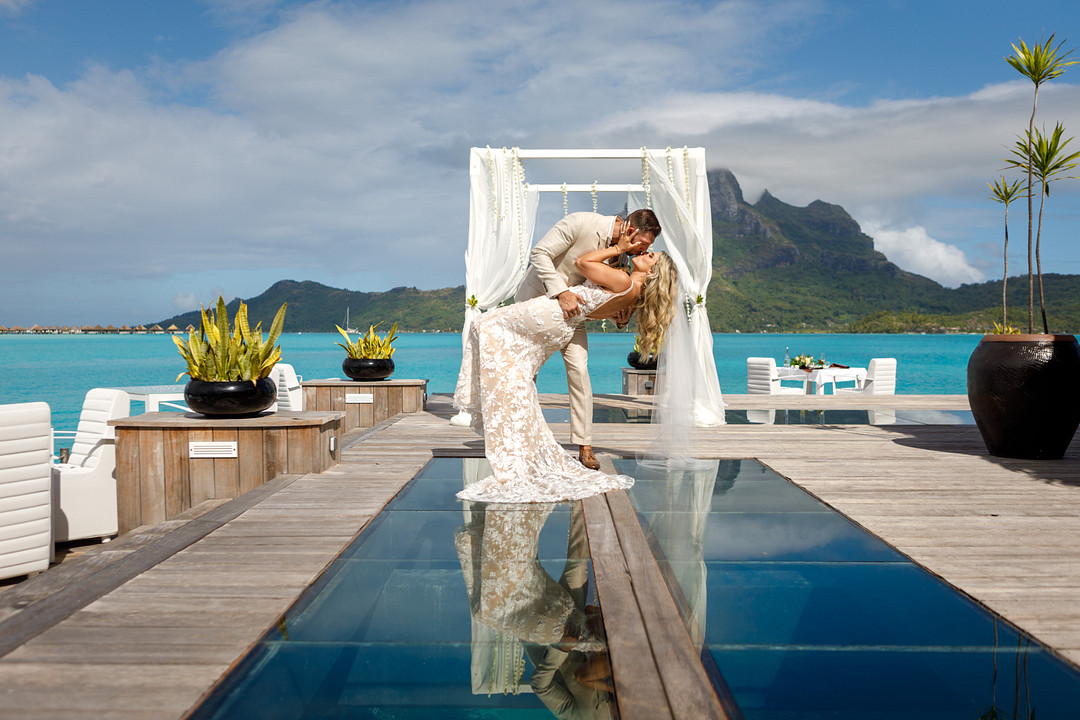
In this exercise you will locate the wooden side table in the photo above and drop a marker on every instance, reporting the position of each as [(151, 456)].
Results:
[(365, 404), (166, 462), (638, 382)]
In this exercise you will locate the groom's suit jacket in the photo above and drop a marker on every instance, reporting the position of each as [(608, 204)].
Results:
[(551, 263), (551, 270)]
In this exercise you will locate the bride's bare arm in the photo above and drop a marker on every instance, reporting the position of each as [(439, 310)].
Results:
[(593, 266)]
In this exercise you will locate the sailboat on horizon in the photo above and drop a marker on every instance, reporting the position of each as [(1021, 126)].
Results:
[(347, 327)]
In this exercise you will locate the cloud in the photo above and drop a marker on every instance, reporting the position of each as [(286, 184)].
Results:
[(14, 6), (184, 302), (331, 139), (914, 250)]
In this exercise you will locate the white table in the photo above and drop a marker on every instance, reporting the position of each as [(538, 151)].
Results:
[(153, 395), (818, 378)]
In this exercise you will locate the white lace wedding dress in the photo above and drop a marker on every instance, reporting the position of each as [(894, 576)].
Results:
[(505, 349)]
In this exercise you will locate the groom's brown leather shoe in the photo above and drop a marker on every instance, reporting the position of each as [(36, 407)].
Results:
[(586, 457)]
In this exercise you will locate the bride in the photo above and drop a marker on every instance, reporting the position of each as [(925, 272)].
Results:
[(507, 346)]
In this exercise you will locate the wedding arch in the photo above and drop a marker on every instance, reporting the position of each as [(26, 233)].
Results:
[(502, 219)]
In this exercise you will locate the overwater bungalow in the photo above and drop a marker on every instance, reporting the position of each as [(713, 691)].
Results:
[(156, 329)]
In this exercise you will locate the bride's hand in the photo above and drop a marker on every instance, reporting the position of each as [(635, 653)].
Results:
[(626, 243)]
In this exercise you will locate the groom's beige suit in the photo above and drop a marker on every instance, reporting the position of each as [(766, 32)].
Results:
[(551, 271)]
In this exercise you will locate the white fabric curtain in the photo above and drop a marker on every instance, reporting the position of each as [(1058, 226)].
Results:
[(678, 193), (502, 217)]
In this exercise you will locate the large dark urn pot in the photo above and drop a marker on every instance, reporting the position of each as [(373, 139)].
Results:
[(1024, 392), (231, 398), (367, 368), (634, 358)]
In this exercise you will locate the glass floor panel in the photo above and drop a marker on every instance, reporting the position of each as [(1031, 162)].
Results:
[(802, 614), (438, 609), (788, 417)]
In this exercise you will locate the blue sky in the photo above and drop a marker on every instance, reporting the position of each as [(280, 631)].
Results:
[(154, 154)]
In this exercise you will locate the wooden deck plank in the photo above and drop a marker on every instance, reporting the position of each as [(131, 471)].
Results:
[(1001, 531), (639, 691)]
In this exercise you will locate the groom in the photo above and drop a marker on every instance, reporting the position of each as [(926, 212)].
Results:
[(551, 271)]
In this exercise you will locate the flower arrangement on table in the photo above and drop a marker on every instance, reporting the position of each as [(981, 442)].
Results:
[(806, 362)]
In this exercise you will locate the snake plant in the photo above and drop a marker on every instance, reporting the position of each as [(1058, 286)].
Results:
[(215, 353), (369, 345)]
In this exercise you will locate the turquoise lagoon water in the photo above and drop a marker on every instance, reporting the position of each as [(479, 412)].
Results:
[(60, 369)]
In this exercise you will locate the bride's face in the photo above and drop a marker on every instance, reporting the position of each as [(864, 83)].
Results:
[(645, 261)]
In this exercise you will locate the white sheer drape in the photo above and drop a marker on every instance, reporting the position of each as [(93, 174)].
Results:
[(679, 195), (501, 224), (502, 217)]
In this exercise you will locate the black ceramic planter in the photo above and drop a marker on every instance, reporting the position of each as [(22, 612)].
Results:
[(367, 368), (635, 361), (233, 398), (1024, 391)]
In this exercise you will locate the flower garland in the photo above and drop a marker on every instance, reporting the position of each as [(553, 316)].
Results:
[(565, 209), (645, 177), (686, 172), (594, 196)]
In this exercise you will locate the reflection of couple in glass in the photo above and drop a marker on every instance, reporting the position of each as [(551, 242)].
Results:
[(518, 608), (506, 348)]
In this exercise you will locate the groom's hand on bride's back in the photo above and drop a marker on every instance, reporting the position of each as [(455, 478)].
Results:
[(569, 304)]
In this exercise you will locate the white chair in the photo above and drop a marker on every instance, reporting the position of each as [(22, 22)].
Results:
[(25, 505), (762, 378), (880, 379), (290, 395), (761, 417), (84, 487)]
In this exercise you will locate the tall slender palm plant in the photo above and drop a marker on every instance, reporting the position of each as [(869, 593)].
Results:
[(1044, 159), (1004, 192), (1039, 64)]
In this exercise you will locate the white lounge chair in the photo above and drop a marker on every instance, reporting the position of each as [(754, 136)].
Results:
[(762, 378), (290, 395), (25, 505), (880, 379), (84, 487)]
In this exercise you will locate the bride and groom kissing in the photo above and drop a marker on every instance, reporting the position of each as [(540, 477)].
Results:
[(575, 274)]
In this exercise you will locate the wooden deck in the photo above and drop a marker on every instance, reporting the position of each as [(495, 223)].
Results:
[(144, 626)]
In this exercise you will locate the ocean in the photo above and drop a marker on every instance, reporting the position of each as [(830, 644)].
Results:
[(60, 369)]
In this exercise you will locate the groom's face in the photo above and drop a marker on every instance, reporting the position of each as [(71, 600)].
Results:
[(646, 237)]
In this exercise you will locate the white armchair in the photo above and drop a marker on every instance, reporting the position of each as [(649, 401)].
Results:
[(290, 395), (84, 487), (762, 378), (880, 379), (25, 506)]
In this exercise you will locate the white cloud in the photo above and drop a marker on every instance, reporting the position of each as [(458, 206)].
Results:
[(335, 143), (915, 251), (184, 302), (14, 6)]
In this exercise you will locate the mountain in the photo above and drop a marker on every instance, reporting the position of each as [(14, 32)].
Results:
[(776, 268), (781, 268), (314, 307)]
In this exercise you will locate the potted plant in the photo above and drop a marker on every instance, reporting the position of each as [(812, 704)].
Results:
[(646, 361), (230, 368), (1024, 388), (371, 356)]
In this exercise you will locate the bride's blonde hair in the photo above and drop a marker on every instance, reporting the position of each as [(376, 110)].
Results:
[(656, 306)]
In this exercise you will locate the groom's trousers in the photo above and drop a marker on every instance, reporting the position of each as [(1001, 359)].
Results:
[(576, 358)]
